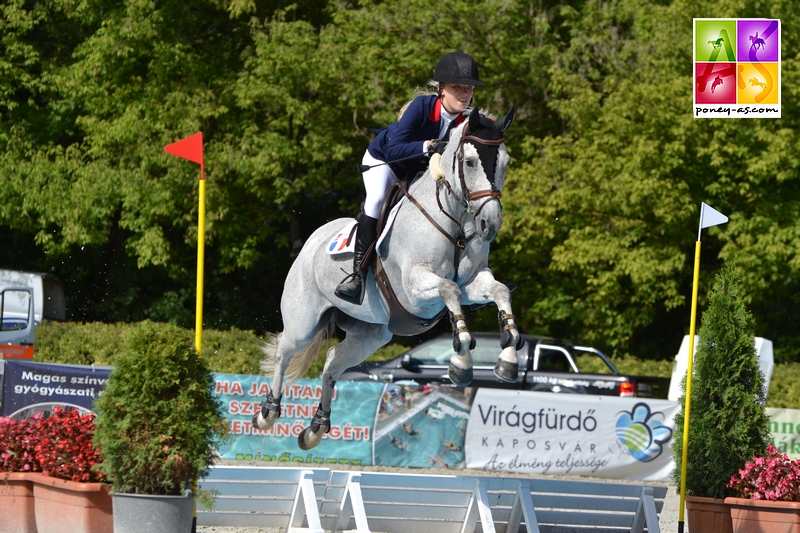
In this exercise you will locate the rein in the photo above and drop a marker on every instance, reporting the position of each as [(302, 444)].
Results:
[(459, 241)]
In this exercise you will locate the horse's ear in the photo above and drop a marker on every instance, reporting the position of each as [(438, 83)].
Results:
[(474, 120), (505, 122)]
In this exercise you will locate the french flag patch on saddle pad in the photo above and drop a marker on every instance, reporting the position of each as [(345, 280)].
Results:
[(344, 241)]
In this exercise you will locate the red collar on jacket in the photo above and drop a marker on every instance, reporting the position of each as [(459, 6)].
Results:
[(436, 114)]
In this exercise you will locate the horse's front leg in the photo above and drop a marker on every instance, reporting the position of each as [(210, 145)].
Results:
[(482, 289), (460, 369), (427, 286)]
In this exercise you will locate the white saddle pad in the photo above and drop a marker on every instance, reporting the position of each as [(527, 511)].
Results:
[(345, 240)]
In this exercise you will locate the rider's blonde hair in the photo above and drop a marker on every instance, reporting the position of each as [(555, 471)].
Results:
[(420, 91)]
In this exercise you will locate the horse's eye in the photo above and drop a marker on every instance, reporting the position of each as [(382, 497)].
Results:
[(470, 163)]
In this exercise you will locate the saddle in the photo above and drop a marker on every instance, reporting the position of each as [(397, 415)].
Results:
[(401, 321)]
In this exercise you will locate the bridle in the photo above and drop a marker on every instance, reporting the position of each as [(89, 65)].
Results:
[(460, 240), (466, 195)]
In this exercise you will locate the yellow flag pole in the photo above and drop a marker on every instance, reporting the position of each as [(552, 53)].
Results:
[(201, 231), (191, 148), (687, 407), (198, 323), (708, 217)]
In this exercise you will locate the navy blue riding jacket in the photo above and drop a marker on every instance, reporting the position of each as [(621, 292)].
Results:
[(420, 122)]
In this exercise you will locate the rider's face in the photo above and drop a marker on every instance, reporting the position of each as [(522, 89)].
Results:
[(456, 97)]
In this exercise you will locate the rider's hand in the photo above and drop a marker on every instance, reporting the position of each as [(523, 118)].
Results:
[(436, 146)]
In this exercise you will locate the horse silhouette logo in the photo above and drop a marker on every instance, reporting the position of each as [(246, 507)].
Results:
[(756, 82), (717, 81), (757, 42), (717, 44)]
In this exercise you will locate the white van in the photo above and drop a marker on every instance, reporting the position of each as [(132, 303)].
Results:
[(16, 323), (48, 294)]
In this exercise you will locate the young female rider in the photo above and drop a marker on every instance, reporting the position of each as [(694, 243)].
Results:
[(421, 131)]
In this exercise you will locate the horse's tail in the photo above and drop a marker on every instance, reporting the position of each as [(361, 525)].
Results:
[(270, 349), (302, 360)]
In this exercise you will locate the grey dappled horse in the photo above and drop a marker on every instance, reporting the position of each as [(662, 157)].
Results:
[(435, 256)]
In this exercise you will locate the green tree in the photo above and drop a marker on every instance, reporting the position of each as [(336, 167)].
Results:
[(602, 213), (601, 204)]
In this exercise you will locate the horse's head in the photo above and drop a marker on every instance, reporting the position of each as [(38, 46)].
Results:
[(479, 169)]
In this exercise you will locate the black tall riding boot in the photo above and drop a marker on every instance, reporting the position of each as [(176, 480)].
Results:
[(352, 288)]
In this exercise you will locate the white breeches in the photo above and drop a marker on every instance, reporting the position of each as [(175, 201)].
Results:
[(377, 182)]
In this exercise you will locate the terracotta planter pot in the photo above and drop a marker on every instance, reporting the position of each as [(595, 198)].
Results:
[(708, 515), (69, 507), (760, 516), (16, 503)]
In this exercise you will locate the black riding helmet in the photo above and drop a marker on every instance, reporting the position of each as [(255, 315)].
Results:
[(457, 67)]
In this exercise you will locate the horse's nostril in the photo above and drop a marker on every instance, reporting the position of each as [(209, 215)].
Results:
[(483, 226)]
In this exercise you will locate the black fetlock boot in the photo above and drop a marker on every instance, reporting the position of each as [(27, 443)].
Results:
[(352, 288)]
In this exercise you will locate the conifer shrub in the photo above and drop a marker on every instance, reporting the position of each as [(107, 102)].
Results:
[(728, 423), (158, 419)]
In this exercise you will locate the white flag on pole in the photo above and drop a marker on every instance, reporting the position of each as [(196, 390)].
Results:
[(709, 217)]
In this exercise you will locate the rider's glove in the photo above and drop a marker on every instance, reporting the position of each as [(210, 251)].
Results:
[(436, 146)]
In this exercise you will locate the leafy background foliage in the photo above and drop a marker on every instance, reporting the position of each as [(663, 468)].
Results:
[(602, 198)]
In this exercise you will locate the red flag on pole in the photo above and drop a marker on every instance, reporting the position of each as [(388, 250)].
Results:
[(190, 148)]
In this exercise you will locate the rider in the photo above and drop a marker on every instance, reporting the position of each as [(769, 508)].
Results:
[(421, 130)]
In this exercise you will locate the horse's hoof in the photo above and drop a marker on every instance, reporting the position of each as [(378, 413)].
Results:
[(461, 377), (506, 371), (264, 424), (308, 439)]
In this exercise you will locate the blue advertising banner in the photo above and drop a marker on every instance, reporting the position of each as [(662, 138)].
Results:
[(349, 441), (30, 387)]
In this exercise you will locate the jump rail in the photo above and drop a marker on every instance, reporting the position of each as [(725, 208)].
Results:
[(317, 500)]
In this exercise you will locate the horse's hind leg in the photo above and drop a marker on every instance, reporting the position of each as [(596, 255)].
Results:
[(293, 354), (270, 410), (361, 341)]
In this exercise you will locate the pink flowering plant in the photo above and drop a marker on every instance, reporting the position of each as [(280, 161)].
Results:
[(774, 477), (18, 440)]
